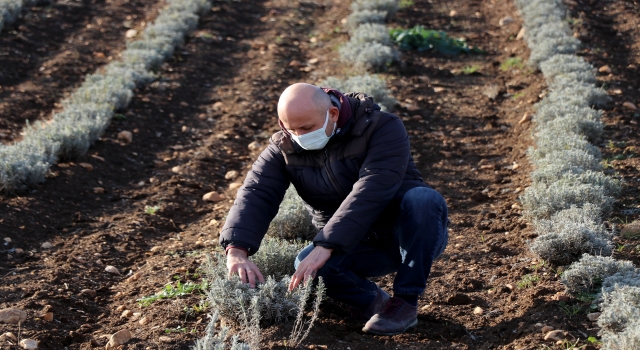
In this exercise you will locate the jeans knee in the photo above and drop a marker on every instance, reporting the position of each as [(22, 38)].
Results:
[(423, 198)]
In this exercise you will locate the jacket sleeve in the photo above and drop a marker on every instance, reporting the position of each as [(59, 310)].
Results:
[(380, 178), (257, 201)]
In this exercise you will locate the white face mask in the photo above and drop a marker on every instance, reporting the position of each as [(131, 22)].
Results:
[(316, 139)]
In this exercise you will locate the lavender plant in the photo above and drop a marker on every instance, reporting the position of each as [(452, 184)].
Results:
[(371, 85), (587, 274), (293, 220)]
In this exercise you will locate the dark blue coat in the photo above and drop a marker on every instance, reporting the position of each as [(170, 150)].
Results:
[(352, 187)]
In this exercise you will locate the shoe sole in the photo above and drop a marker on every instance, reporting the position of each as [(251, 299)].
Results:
[(376, 332)]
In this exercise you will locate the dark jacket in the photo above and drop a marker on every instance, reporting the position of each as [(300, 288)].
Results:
[(352, 187)]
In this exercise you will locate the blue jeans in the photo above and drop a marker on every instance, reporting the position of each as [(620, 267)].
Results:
[(419, 237)]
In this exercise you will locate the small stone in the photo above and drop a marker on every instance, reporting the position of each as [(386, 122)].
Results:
[(453, 13), (199, 244), (295, 63), (631, 230), (165, 339), (175, 169), (505, 20), (126, 314), (143, 321), (119, 338), (231, 175), (7, 240), (560, 297), (438, 89), (212, 197), (459, 299), (510, 286), (521, 34), (235, 186), (125, 136), (156, 248), (48, 316), (98, 190), (516, 206), (478, 310), (313, 61), (526, 118), (218, 106), (605, 69), (593, 316), (136, 276), (29, 344), (546, 329), (121, 308), (8, 336), (557, 335), (12, 315), (254, 146), (130, 33), (617, 91), (86, 166), (425, 308), (46, 245), (185, 128), (89, 293), (213, 222), (181, 269), (630, 105), (112, 270)]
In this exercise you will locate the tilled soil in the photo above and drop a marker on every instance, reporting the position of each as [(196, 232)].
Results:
[(215, 97)]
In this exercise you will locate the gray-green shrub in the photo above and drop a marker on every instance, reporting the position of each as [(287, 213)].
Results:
[(541, 200), (371, 85), (293, 219), (371, 56), (371, 33), (550, 141), (355, 19), (588, 273), (390, 7)]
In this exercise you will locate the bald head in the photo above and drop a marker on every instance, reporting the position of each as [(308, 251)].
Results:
[(302, 108)]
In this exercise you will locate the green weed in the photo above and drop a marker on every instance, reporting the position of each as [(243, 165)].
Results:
[(518, 95), (527, 281), (470, 69), (569, 310), (406, 3), (512, 63), (169, 292), (151, 210), (422, 39)]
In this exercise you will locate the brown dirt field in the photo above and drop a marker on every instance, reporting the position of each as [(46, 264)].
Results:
[(466, 145)]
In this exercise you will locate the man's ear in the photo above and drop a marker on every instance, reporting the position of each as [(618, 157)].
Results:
[(334, 113)]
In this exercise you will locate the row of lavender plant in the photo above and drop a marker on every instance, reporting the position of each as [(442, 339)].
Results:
[(570, 194), (88, 111)]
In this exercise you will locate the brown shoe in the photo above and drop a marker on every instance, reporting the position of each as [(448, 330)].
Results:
[(395, 318)]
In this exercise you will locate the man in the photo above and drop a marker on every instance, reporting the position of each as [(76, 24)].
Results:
[(351, 164)]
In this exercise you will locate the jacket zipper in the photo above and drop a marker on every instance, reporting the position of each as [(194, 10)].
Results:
[(330, 174)]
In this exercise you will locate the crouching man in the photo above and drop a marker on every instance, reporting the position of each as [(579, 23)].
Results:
[(351, 164)]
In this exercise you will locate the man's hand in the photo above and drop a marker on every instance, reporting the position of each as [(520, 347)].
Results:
[(309, 266), (238, 262)]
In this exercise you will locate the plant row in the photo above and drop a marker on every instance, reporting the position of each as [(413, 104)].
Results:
[(88, 111), (570, 194)]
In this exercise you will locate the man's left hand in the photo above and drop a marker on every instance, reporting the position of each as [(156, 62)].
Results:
[(309, 266)]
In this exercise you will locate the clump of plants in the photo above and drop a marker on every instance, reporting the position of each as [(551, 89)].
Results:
[(371, 85), (293, 220), (269, 302), (422, 39)]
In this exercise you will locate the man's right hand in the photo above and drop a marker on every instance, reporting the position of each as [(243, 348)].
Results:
[(238, 262)]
